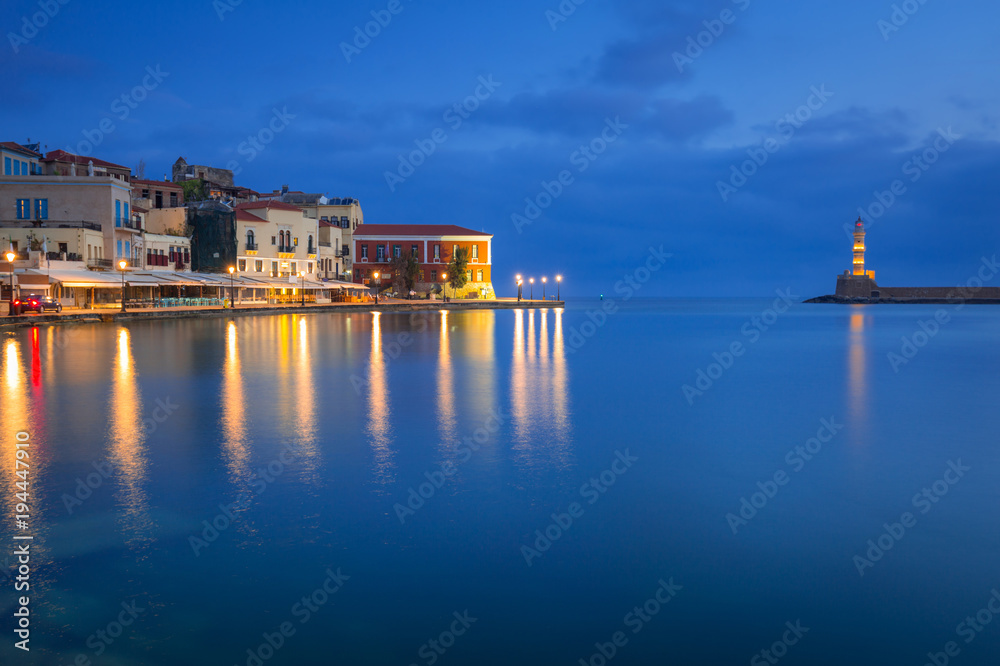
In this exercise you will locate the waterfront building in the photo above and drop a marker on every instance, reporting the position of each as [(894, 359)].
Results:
[(62, 198), (276, 239), (217, 183), (167, 253), (434, 245), (19, 160)]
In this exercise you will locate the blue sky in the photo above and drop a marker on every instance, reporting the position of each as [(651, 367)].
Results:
[(225, 68)]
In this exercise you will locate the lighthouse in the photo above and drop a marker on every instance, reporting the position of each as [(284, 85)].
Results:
[(859, 248)]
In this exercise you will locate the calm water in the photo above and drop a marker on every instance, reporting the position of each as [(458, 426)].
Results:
[(512, 414)]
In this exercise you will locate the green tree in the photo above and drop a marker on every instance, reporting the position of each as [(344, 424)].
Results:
[(405, 271), (457, 269), (194, 190)]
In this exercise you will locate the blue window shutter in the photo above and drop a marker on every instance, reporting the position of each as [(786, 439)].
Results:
[(45, 209), (118, 213), (17, 167), (6, 166), (119, 248), (128, 249)]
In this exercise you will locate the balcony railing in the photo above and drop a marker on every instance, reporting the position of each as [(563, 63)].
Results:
[(312, 249), (251, 247), (48, 224), (100, 263), (286, 248)]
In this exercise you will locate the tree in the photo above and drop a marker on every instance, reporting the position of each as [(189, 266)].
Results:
[(457, 268), (405, 271), (194, 190)]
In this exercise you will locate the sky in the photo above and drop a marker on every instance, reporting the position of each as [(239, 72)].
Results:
[(740, 137)]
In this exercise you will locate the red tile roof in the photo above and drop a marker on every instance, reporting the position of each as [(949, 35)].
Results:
[(158, 183), (404, 230), (63, 156), (277, 205), (244, 216), (10, 145)]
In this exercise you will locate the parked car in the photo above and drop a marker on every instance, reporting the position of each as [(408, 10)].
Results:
[(38, 303)]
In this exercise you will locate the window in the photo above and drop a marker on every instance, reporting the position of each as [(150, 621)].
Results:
[(258, 266), (24, 168), (23, 210), (468, 275), (364, 251), (145, 194), (475, 251), (17, 167), (6, 166), (434, 276), (274, 268), (250, 240), (437, 252), (126, 213), (41, 209), (118, 214), (454, 251), (309, 267), (479, 275), (413, 251), (119, 248), (295, 268), (274, 240), (397, 250), (296, 240), (173, 200), (379, 253), (242, 265), (421, 276)]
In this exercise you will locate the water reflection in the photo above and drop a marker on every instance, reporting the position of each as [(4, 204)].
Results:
[(127, 437), (379, 409), (13, 419), (307, 454), (857, 366), (446, 388), (539, 391), (235, 446)]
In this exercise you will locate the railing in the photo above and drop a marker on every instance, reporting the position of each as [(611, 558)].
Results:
[(48, 224), (100, 263), (312, 250), (286, 248), (251, 247)]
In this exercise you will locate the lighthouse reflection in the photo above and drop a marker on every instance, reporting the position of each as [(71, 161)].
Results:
[(540, 408), (379, 410), (857, 367)]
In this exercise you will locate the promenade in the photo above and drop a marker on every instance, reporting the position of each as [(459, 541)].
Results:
[(109, 315)]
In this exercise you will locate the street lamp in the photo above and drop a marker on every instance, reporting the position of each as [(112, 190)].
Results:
[(302, 286), (519, 283), (444, 287), (375, 275), (11, 256), (558, 281), (531, 289), (232, 290), (122, 265), (544, 280)]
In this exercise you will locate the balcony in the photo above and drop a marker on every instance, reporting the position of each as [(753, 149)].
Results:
[(286, 248), (100, 263), (48, 224), (251, 247)]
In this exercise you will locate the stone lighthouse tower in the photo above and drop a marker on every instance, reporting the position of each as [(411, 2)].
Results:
[(859, 248)]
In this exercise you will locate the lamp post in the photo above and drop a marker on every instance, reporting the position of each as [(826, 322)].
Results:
[(375, 275), (444, 287), (544, 280), (232, 289), (302, 286), (518, 281), (558, 282), (531, 289), (122, 265), (11, 256)]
